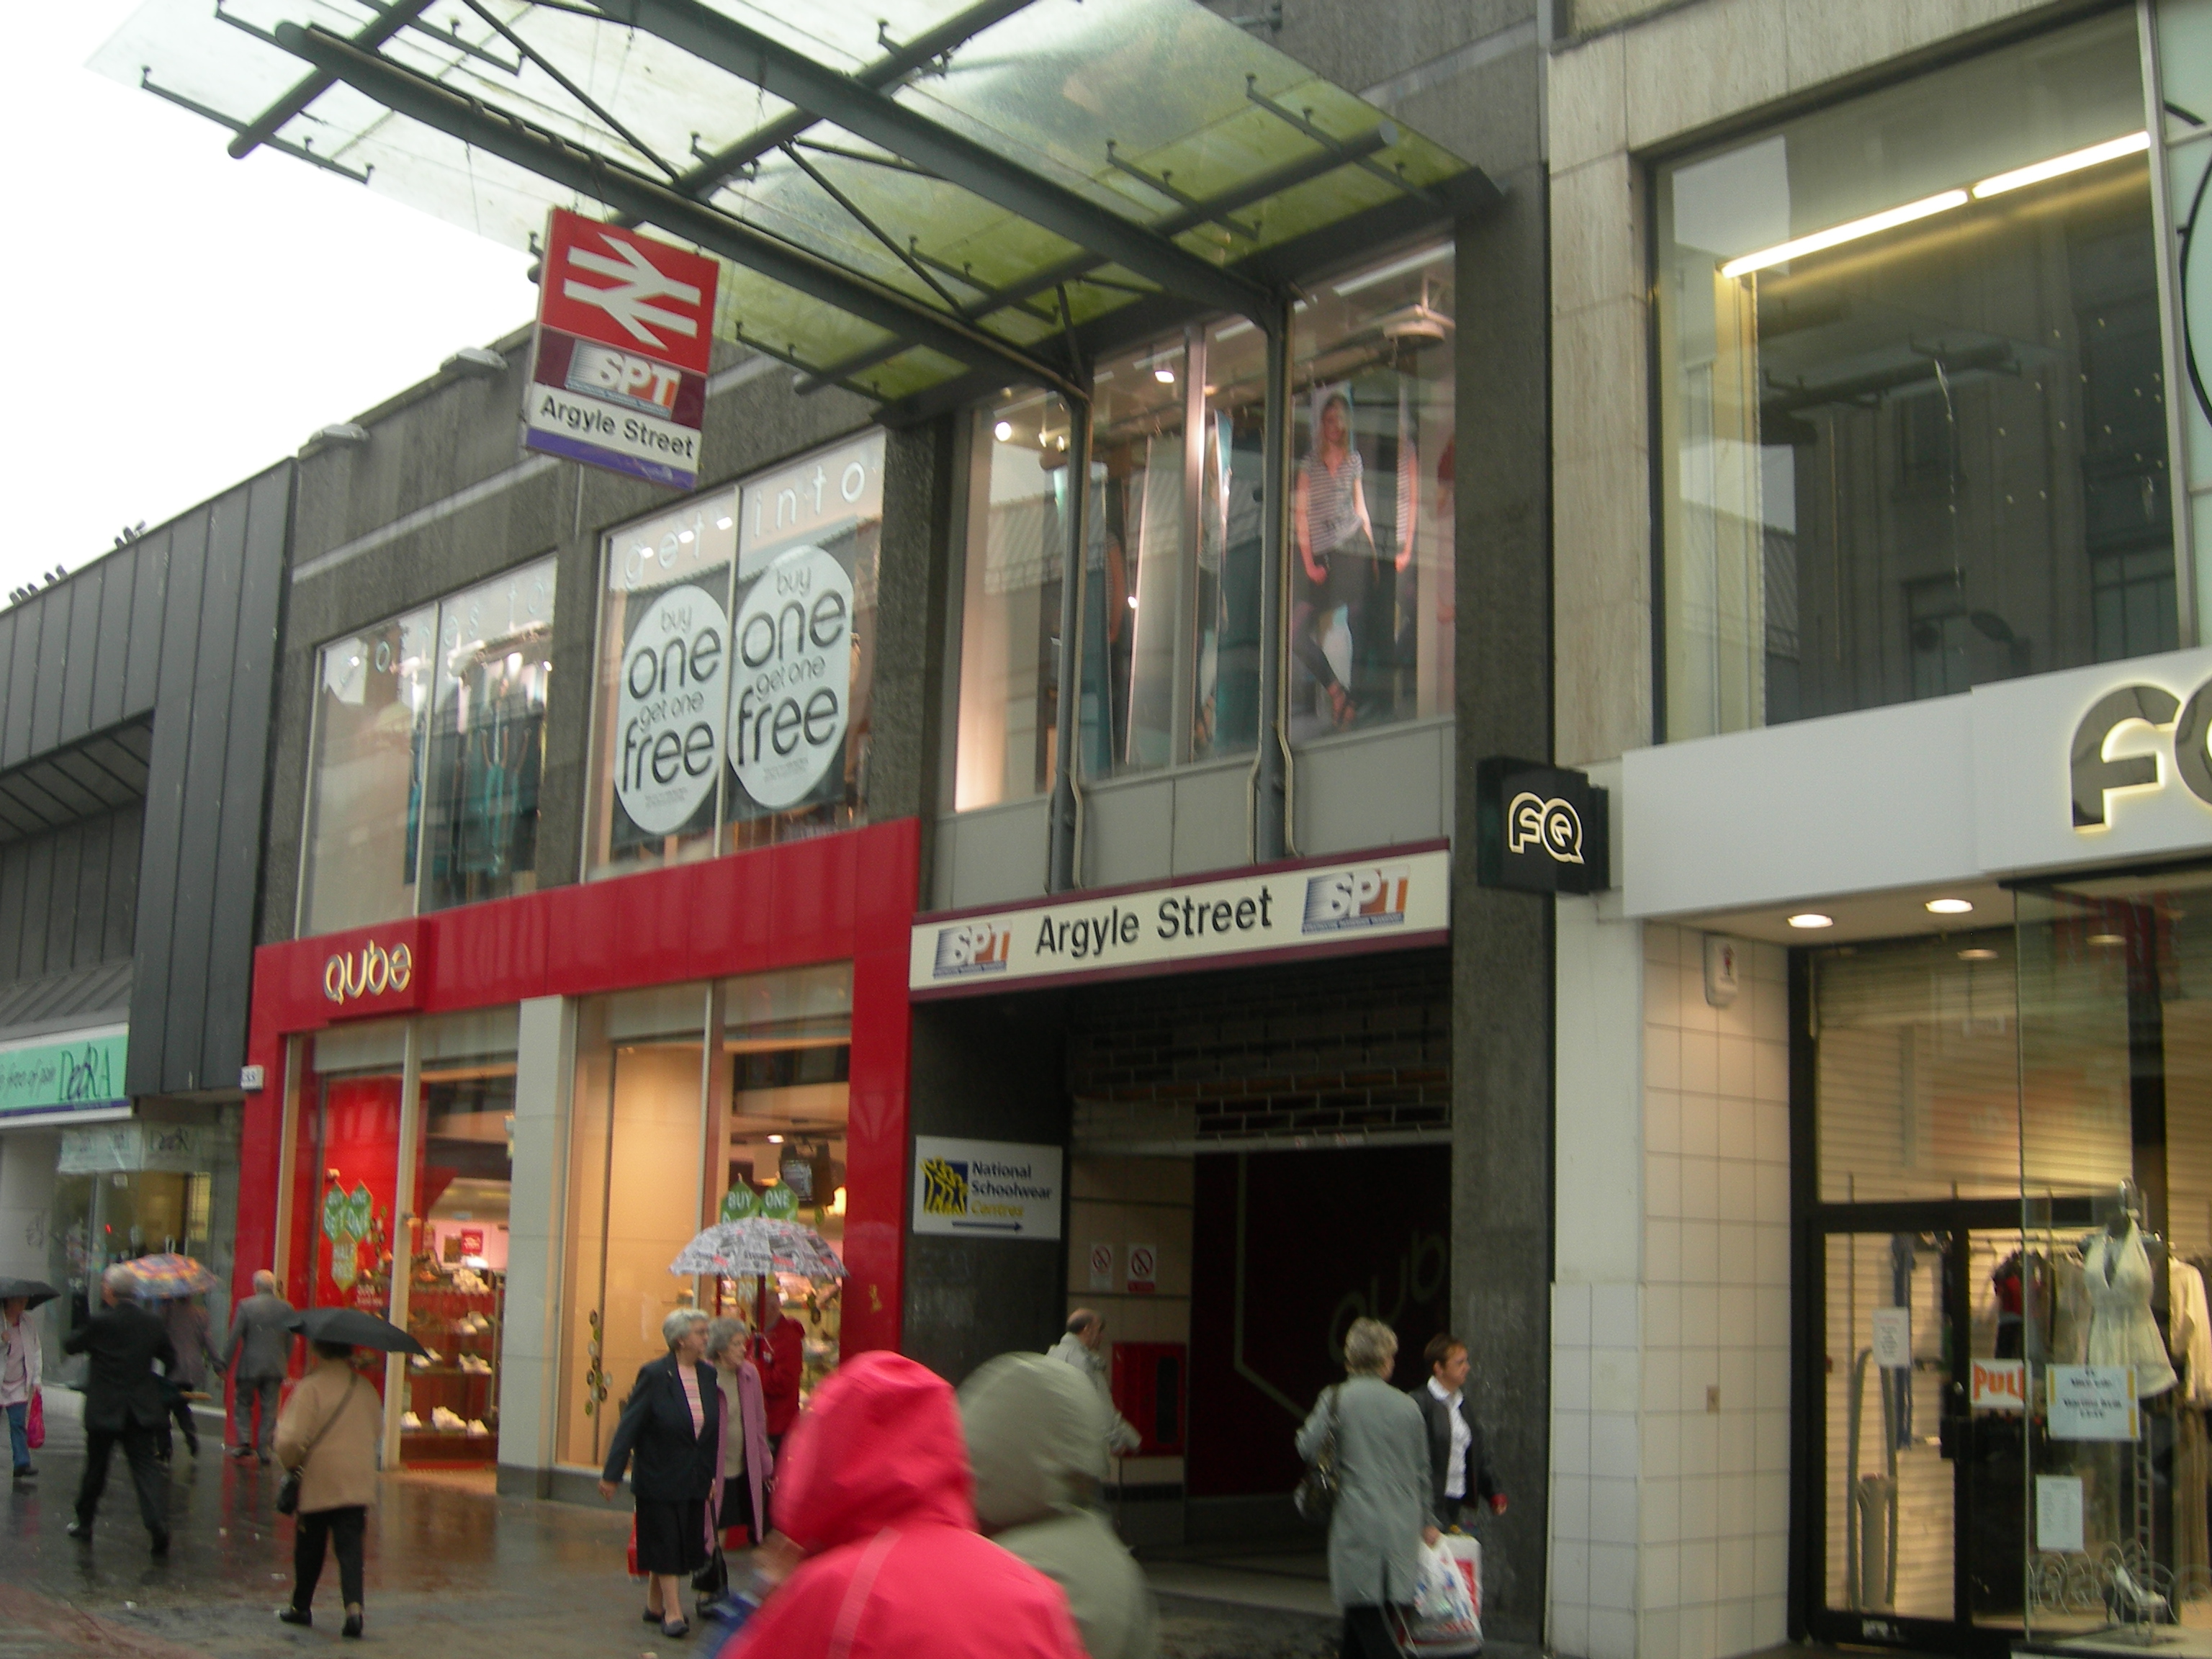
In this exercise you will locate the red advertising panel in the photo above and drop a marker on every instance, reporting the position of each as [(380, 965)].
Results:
[(625, 336)]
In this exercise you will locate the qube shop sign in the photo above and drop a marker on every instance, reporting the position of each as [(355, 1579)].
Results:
[(739, 643)]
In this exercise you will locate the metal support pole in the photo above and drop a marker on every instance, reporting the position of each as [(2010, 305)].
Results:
[(1064, 871), (1271, 833)]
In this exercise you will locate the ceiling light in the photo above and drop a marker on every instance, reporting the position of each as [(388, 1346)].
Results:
[(1812, 918), (1977, 954), (721, 523), (1888, 219), (1165, 375), (1003, 430), (1949, 907), (2111, 150), (1367, 279), (684, 536), (2108, 938), (776, 1140), (1133, 601)]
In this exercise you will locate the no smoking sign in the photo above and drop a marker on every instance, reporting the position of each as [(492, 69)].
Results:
[(1144, 1269)]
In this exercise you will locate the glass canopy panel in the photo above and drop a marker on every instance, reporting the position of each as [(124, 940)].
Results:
[(1134, 106)]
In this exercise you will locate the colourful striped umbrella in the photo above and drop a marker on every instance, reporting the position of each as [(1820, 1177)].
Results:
[(166, 1277)]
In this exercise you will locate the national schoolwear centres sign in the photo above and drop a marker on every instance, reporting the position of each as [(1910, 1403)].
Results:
[(1383, 900)]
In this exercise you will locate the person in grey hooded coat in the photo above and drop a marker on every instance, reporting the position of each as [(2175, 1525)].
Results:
[(1381, 1520), (1036, 1441)]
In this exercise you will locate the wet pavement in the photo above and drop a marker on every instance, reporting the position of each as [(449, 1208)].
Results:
[(452, 1571)]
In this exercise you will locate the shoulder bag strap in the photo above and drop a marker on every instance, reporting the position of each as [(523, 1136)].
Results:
[(352, 1383)]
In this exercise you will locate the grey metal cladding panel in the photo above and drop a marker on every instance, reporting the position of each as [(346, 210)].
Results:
[(30, 941), (75, 800), (148, 600), (107, 774), (122, 917), (89, 926), (159, 834), (22, 682), (191, 909), (137, 738), (112, 654), (61, 910), (17, 820), (8, 619), (15, 873), (82, 671), (53, 668), (229, 963), (221, 577)]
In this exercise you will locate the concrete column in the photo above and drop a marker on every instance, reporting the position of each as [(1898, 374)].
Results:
[(530, 1341)]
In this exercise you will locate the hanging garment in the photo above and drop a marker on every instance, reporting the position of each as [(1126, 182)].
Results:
[(2192, 1468), (2070, 1311), (2116, 1272), (2190, 1320)]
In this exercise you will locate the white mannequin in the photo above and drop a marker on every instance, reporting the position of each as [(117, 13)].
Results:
[(2118, 1278)]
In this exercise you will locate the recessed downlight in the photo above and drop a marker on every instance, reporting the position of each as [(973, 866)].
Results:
[(1949, 907), (1979, 953), (1812, 918), (2108, 938)]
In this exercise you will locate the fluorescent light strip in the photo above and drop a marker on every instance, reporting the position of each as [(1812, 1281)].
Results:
[(1368, 279), (1819, 240), (2111, 150)]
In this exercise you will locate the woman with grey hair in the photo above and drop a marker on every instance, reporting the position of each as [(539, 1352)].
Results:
[(1380, 1521), (672, 1423), (742, 1500)]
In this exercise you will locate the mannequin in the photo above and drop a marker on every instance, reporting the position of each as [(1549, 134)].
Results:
[(2118, 1278)]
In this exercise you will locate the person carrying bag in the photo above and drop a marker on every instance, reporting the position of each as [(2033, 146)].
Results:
[(329, 1479)]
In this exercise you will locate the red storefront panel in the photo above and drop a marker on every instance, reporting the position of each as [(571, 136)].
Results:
[(844, 897)]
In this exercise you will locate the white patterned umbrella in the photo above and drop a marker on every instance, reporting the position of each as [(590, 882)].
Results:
[(758, 1245)]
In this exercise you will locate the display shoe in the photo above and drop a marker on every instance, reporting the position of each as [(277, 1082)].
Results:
[(477, 1429), (409, 1420), (296, 1615)]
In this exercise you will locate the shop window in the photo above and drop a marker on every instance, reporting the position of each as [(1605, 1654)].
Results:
[(1010, 603), (1887, 360), (428, 744), (735, 666)]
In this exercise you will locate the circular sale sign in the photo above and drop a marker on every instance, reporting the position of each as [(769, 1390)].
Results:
[(670, 708), (791, 687)]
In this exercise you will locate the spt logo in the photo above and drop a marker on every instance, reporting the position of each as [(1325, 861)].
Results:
[(944, 1187), (973, 947), (1371, 895), (1553, 825), (622, 377)]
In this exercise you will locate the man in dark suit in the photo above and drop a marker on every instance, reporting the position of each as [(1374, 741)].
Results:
[(122, 1402), (1459, 1472)]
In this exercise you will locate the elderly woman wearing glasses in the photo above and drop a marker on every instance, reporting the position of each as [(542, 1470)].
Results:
[(672, 1423)]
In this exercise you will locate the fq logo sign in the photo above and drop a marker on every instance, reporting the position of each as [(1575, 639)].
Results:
[(996, 1186), (1371, 896)]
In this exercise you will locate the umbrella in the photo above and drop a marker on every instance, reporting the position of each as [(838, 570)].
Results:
[(758, 1245), (164, 1277), (33, 1290), (352, 1326)]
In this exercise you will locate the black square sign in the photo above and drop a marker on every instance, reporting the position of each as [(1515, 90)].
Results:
[(1539, 828)]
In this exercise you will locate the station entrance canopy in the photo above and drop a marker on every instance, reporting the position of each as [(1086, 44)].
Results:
[(917, 200)]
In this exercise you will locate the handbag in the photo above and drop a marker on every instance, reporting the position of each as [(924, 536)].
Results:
[(287, 1493), (1315, 1497), (34, 1420)]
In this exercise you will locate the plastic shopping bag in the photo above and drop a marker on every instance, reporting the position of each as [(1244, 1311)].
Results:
[(1444, 1624), (1466, 1549), (34, 1422)]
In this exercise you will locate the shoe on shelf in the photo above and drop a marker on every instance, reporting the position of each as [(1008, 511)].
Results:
[(409, 1420), (296, 1615)]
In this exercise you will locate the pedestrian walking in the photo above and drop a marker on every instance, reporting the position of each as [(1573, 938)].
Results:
[(257, 1354), (1459, 1468), (1036, 1442), (21, 1365), (186, 1321), (327, 1433), (1381, 1522), (672, 1424), (779, 1349), (122, 1403), (1083, 1345), (742, 1491), (874, 1492)]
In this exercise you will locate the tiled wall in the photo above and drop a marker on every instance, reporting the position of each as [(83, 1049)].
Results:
[(1670, 1382)]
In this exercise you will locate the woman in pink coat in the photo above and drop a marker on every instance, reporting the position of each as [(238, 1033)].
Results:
[(741, 1496), (874, 1491)]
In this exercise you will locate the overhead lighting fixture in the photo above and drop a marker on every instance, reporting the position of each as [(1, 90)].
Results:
[(1819, 240), (1979, 953), (1133, 601), (776, 1140), (1812, 918), (2108, 938), (1165, 375), (1003, 431), (1949, 907), (1367, 279), (2058, 166), (722, 523)]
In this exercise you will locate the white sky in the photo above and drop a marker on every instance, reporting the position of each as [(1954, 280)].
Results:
[(183, 320)]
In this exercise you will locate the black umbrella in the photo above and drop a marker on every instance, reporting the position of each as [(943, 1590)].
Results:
[(356, 1328), (33, 1290)]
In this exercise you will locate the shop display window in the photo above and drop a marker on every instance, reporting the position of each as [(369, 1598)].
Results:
[(137, 1188), (735, 665), (427, 749), (1913, 433)]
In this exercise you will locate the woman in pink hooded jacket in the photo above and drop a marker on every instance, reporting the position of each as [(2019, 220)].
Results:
[(873, 1487)]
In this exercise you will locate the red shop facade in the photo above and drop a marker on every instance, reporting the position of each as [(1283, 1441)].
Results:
[(496, 1124)]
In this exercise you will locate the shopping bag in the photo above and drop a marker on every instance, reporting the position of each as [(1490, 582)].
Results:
[(1466, 1550), (634, 1572), (35, 1421), (1443, 1623)]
